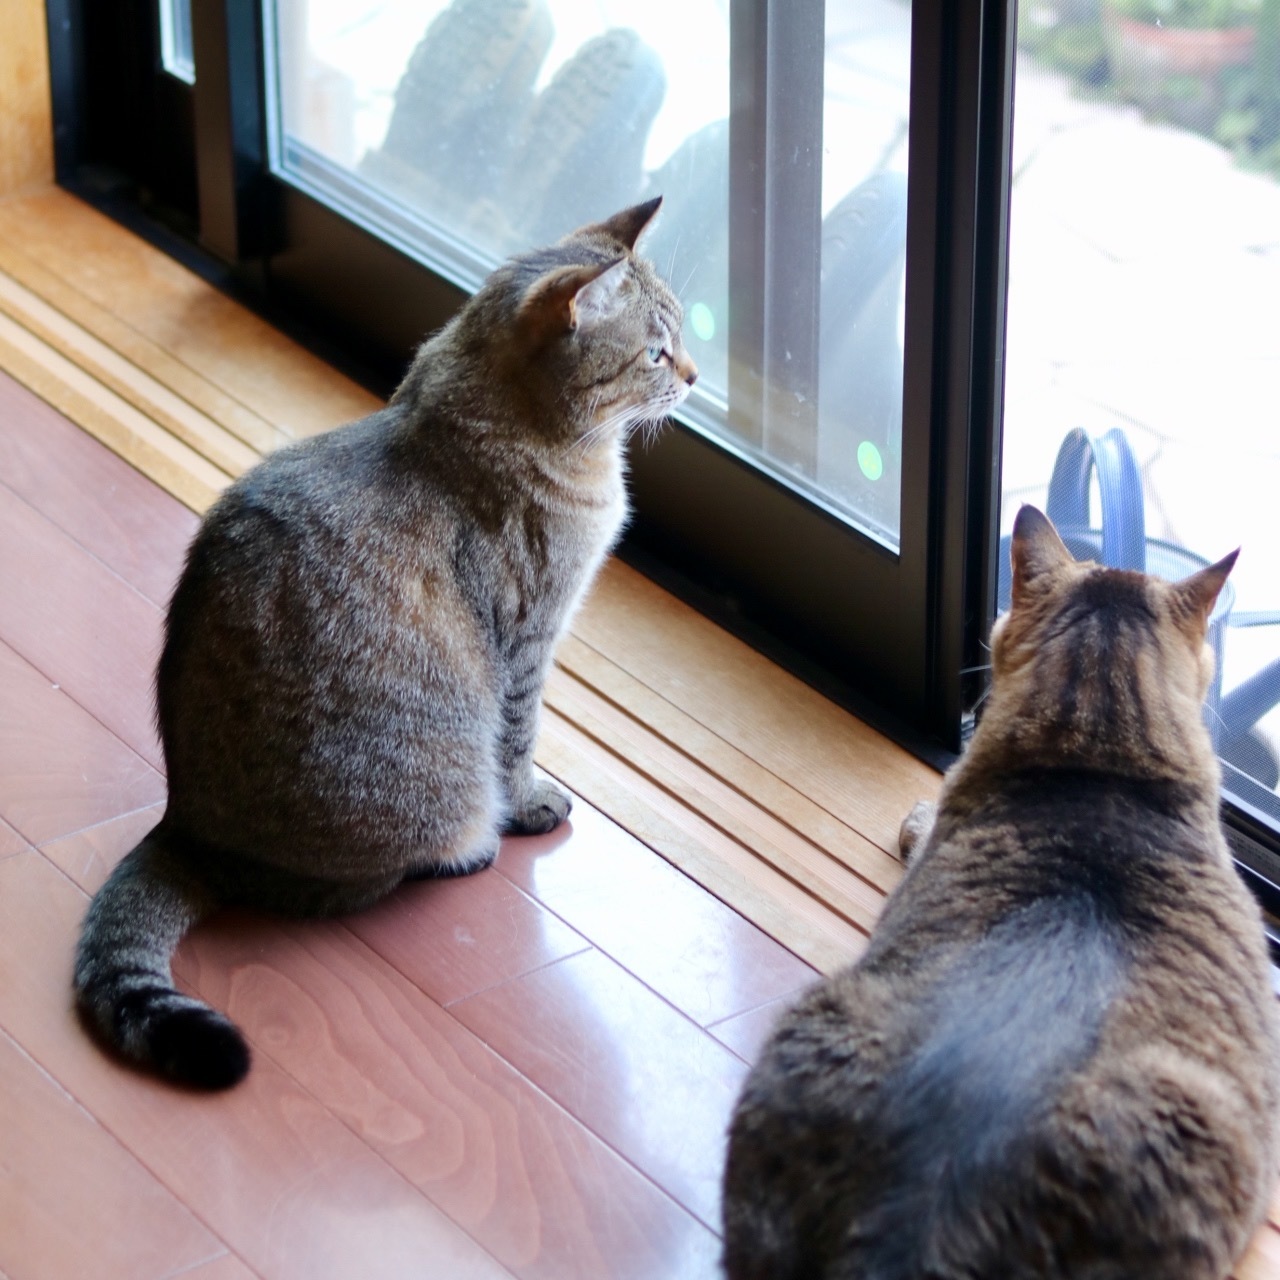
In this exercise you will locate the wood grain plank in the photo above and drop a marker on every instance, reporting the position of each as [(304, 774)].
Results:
[(452, 938), (831, 878), (79, 623), (532, 1184), (654, 1086), (102, 323), (1262, 1259), (734, 874), (136, 387), (746, 1033), (227, 1267), (540, 1191), (784, 804), (190, 477), (66, 1185), (215, 337), (662, 927), (113, 511), (60, 770), (820, 750), (10, 841), (88, 856), (286, 1185)]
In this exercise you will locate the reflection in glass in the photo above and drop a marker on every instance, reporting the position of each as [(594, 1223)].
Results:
[(506, 123), (864, 249), (472, 129), (175, 39), (1142, 316)]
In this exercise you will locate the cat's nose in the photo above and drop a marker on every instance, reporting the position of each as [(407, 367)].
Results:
[(687, 369)]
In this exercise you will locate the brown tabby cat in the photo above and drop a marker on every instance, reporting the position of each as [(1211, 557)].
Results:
[(349, 689), (1058, 1056)]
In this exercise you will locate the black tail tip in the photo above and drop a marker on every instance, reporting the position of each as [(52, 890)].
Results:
[(200, 1048)]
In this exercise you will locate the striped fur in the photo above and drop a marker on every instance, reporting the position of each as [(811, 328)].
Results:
[(1058, 1058), (349, 689)]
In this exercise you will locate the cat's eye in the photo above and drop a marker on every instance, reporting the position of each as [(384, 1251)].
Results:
[(658, 353)]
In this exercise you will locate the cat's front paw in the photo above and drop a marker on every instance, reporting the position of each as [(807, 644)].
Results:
[(545, 809), (915, 829)]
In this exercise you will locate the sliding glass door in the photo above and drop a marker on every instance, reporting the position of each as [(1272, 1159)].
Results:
[(465, 130), (837, 182), (835, 179)]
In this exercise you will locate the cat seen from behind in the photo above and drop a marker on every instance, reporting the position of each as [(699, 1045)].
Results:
[(1058, 1056), (355, 652)]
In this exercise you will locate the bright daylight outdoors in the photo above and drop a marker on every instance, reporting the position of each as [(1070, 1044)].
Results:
[(1143, 363), (503, 124), (1144, 313)]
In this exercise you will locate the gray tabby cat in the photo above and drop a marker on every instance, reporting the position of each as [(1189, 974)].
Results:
[(349, 689), (1058, 1056)]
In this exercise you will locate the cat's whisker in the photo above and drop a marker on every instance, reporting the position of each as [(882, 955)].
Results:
[(649, 419), (588, 439), (602, 428), (1216, 714)]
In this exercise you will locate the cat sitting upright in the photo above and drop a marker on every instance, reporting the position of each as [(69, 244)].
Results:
[(1058, 1056), (355, 653)]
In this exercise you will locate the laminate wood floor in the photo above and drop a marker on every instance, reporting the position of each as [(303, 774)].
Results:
[(523, 1073)]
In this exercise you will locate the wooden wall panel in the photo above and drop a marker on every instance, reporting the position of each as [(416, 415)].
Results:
[(26, 116)]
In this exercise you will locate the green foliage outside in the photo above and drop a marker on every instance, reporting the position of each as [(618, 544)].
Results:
[(1238, 107), (1190, 13)]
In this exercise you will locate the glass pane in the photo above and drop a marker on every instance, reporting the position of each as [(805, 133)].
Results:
[(864, 253), (175, 39), (465, 131), (479, 128), (1144, 314)]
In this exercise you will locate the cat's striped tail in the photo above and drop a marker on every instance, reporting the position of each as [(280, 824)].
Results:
[(123, 983)]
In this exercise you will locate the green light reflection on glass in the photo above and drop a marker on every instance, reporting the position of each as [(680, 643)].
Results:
[(870, 461), (702, 321)]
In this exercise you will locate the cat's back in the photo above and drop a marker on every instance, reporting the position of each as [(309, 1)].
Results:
[(1139, 863), (901, 1097), (328, 486), (1147, 855), (999, 1086), (319, 533)]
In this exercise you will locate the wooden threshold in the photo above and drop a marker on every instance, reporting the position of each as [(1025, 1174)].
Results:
[(776, 800)]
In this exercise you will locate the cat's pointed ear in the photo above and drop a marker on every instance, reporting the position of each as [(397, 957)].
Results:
[(599, 298), (569, 297), (1196, 595), (624, 228), (1034, 551)]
